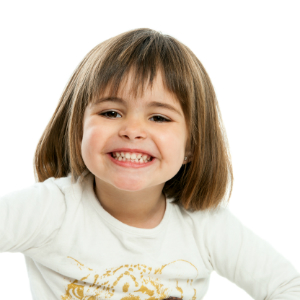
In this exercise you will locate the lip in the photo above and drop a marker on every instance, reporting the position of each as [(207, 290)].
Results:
[(129, 164), (131, 151)]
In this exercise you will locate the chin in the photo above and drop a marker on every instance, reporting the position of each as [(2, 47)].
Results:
[(129, 187)]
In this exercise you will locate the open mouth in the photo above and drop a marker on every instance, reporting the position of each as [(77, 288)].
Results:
[(131, 157)]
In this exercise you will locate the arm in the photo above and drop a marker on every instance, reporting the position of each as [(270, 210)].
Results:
[(244, 258), (30, 217)]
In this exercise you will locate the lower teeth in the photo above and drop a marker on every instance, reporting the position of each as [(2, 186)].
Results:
[(117, 158)]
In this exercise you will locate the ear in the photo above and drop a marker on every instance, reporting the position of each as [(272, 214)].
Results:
[(188, 153), (189, 157)]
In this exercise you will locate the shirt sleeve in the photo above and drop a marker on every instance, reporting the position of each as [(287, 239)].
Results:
[(31, 217), (247, 260)]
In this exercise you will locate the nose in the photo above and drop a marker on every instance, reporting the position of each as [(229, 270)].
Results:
[(132, 129)]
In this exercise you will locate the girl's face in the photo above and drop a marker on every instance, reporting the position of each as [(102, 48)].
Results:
[(135, 124)]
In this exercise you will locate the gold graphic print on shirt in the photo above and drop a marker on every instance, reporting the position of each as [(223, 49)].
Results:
[(135, 282)]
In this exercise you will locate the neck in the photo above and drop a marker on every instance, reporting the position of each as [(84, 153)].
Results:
[(142, 209)]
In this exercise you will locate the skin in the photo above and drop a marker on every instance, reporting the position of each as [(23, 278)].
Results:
[(134, 196)]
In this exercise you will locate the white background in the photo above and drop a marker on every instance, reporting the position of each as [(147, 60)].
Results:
[(250, 50)]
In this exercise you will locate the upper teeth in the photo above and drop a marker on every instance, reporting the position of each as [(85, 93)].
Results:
[(130, 155)]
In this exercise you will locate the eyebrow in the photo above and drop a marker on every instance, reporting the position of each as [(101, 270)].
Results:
[(123, 102)]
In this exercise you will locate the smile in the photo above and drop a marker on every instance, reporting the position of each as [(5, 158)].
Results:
[(138, 162), (133, 157)]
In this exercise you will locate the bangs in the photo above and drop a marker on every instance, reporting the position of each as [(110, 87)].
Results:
[(142, 55)]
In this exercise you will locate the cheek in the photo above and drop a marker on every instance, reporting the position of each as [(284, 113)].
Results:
[(91, 141), (172, 145)]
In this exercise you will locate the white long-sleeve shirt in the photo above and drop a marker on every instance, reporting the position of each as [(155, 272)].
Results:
[(74, 249)]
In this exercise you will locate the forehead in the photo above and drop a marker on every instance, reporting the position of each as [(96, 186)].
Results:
[(133, 89)]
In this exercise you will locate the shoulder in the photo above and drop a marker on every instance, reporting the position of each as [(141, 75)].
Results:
[(219, 227), (65, 184), (206, 216), (37, 194), (211, 224), (53, 191)]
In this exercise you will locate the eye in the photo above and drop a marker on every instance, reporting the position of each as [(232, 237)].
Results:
[(161, 119), (112, 112)]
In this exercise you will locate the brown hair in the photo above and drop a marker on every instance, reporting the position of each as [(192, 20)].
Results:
[(202, 182)]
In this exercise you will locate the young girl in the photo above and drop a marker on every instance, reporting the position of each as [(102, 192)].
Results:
[(133, 170)]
